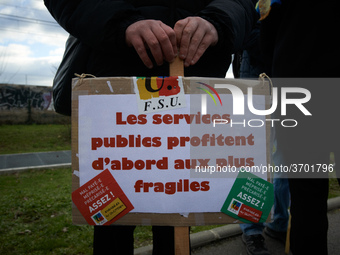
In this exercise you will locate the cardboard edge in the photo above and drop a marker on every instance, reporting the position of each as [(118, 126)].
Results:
[(81, 86)]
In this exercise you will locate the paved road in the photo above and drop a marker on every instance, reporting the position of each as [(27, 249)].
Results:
[(235, 246), (24, 161), (229, 240)]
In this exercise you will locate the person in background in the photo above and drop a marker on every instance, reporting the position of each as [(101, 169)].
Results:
[(298, 41), (141, 38), (251, 66)]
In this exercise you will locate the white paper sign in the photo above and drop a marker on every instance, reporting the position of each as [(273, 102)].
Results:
[(153, 156)]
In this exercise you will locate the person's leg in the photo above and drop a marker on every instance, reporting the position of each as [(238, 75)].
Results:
[(163, 240), (113, 240), (309, 223), (252, 228), (304, 147), (281, 205), (309, 195), (278, 228), (253, 238)]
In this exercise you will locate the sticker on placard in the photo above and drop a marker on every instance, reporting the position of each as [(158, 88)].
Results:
[(156, 94), (101, 200), (250, 199)]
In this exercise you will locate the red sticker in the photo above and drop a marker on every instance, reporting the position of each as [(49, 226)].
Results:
[(249, 213), (101, 200)]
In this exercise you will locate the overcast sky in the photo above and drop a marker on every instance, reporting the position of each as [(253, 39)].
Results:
[(31, 43)]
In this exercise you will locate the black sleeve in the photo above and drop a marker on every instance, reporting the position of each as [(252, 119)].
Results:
[(97, 23), (233, 20)]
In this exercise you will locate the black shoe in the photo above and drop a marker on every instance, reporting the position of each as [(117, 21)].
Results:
[(255, 244), (280, 236)]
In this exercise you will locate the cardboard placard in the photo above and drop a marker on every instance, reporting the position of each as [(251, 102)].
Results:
[(174, 145)]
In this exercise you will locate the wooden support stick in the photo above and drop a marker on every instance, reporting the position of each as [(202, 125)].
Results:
[(182, 241), (177, 67), (182, 235)]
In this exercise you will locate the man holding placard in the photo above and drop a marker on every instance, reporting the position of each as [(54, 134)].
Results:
[(140, 38)]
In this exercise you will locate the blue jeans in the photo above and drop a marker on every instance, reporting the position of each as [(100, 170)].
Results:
[(281, 202)]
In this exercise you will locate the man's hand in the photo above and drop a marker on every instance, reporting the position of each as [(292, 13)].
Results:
[(194, 35), (153, 35)]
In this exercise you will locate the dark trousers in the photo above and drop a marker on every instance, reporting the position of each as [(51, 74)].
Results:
[(309, 223), (310, 144), (119, 240)]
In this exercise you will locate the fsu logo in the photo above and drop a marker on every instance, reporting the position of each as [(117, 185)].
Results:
[(159, 93), (154, 87)]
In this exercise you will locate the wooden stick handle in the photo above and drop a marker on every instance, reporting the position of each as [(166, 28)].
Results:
[(177, 67), (182, 235), (182, 241)]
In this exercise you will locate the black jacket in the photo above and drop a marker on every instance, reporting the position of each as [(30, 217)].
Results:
[(299, 40), (101, 25)]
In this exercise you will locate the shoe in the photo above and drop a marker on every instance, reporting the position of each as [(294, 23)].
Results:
[(255, 245), (280, 236)]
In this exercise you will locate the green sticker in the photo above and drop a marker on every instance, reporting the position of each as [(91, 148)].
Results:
[(250, 199)]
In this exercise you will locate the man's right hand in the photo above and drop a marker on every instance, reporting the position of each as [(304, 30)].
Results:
[(153, 35)]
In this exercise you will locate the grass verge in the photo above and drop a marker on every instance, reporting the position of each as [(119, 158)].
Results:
[(35, 216), (34, 138)]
